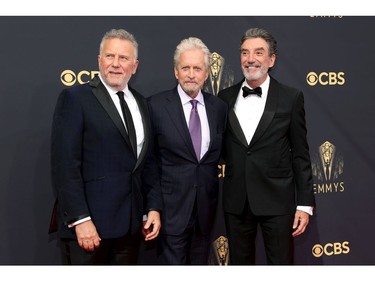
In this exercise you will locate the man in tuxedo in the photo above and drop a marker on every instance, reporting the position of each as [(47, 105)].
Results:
[(98, 155), (187, 167), (268, 179)]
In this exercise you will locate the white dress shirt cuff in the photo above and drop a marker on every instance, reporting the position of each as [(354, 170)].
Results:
[(79, 221), (307, 209)]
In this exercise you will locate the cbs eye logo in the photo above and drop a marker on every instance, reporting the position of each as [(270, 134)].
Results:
[(330, 249), (69, 78), (325, 78)]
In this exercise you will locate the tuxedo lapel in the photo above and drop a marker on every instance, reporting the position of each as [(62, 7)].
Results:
[(146, 126), (105, 100), (234, 124), (211, 117), (269, 112), (236, 127)]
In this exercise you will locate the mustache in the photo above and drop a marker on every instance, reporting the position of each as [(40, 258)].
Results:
[(252, 65), (190, 81)]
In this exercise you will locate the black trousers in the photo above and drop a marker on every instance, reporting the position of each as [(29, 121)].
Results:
[(118, 251), (189, 248), (276, 232)]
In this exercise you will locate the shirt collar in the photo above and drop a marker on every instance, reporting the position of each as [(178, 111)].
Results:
[(185, 98), (112, 91)]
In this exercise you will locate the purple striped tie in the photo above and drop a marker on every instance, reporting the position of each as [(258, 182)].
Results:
[(195, 128)]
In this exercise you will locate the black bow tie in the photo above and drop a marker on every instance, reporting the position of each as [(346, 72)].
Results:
[(247, 91)]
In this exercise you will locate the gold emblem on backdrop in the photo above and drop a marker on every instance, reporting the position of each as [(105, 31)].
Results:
[(221, 250), (216, 71), (331, 164), (220, 77), (327, 152), (327, 168)]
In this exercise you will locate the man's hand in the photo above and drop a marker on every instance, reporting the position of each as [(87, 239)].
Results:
[(87, 236), (301, 220), (151, 227)]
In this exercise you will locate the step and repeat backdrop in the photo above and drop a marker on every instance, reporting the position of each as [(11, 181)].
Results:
[(330, 58)]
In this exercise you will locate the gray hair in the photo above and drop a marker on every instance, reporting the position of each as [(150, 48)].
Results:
[(120, 34), (192, 43), (264, 34)]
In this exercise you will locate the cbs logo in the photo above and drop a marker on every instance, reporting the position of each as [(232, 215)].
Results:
[(69, 78), (330, 249), (325, 78)]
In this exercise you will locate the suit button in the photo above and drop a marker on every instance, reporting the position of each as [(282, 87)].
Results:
[(195, 186), (249, 152)]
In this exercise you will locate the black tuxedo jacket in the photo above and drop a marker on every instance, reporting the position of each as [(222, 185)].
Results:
[(184, 179), (274, 170), (94, 170)]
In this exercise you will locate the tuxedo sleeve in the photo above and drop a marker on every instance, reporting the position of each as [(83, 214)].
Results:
[(66, 157), (300, 153)]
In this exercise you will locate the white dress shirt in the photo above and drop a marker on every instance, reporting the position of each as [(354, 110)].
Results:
[(249, 110)]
